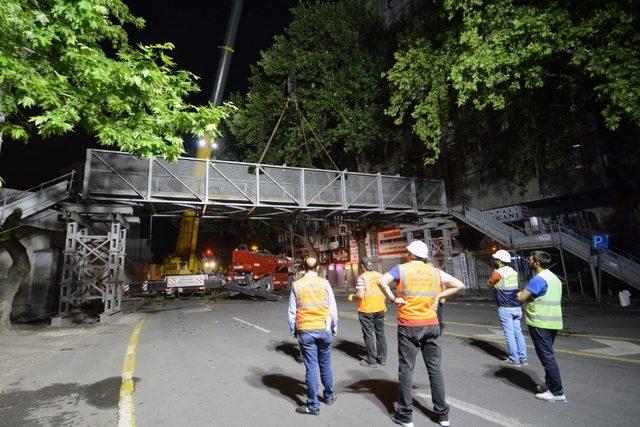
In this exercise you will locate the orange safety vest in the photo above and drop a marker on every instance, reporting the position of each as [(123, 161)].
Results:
[(312, 301), (373, 301), (419, 285)]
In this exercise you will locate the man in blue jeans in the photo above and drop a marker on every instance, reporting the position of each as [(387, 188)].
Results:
[(504, 282), (313, 318)]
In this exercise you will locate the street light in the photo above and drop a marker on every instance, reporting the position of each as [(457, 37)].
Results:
[(254, 248)]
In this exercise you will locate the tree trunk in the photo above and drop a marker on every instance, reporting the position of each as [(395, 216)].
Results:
[(308, 244), (10, 284)]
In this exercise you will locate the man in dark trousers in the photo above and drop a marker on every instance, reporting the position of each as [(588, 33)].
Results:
[(543, 313), (371, 313), (420, 287)]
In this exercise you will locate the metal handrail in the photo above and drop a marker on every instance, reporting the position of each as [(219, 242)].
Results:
[(67, 176)]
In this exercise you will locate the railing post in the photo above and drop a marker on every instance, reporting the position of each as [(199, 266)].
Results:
[(343, 189), (380, 198), (87, 175), (150, 179), (257, 184), (206, 181), (302, 189)]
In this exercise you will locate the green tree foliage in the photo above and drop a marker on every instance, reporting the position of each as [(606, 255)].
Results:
[(527, 75), (336, 51), (67, 63)]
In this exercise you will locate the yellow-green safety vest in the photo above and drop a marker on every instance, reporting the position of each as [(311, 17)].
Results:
[(508, 279), (546, 311)]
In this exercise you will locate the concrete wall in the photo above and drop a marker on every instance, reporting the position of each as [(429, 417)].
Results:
[(34, 296)]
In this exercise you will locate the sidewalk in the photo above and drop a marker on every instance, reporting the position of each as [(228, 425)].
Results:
[(24, 346)]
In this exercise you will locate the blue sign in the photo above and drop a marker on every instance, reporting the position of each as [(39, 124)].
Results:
[(599, 242)]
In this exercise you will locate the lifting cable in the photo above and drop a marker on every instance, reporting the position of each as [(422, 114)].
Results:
[(286, 104)]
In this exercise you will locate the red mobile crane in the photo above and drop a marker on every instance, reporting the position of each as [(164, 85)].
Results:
[(258, 271)]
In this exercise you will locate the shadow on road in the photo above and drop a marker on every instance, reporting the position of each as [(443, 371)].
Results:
[(490, 348), (517, 377), (290, 349), (48, 405), (351, 348), (279, 384), (386, 392)]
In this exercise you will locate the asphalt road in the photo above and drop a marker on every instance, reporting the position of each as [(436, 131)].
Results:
[(233, 364)]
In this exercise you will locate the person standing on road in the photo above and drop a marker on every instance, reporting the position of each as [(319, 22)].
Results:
[(420, 287), (543, 313), (313, 318), (371, 313), (504, 282)]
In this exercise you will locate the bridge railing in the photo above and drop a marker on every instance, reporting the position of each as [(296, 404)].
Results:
[(117, 175)]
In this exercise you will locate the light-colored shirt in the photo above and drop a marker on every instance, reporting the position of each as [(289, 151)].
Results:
[(332, 325)]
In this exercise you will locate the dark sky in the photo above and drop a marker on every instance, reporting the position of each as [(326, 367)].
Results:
[(196, 28)]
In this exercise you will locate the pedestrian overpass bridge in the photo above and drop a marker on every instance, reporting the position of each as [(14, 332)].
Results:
[(218, 188)]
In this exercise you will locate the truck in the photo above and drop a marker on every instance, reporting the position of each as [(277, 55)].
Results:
[(258, 273)]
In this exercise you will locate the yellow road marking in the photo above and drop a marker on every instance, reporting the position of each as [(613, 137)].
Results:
[(565, 334), (126, 414), (557, 350)]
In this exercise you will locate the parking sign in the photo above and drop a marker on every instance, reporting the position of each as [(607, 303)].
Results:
[(599, 242)]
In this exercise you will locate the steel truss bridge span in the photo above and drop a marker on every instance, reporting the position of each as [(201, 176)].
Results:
[(218, 188)]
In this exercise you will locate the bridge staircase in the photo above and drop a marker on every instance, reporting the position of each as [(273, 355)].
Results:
[(623, 267)]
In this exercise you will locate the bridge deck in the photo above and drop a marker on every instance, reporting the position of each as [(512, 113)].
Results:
[(217, 186)]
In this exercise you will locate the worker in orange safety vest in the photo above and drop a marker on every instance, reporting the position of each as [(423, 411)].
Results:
[(420, 287), (313, 319), (371, 314)]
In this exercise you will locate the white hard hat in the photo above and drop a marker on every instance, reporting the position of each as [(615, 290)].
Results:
[(502, 255), (419, 249)]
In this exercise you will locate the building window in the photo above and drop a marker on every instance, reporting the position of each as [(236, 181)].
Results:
[(576, 156)]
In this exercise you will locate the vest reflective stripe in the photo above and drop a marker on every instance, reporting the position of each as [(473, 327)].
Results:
[(410, 293), (546, 311), (508, 279), (419, 286), (312, 301), (373, 301)]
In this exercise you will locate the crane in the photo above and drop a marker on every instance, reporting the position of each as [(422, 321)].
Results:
[(184, 260)]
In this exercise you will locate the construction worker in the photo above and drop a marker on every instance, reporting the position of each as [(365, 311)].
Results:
[(420, 287), (504, 282), (313, 319), (371, 313), (543, 313)]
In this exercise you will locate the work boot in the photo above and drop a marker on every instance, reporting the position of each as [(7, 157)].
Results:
[(398, 421), (550, 397), (304, 409), (508, 363), (366, 364)]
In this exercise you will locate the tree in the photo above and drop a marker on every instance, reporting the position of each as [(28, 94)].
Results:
[(525, 75), (66, 64), (19, 270), (331, 58)]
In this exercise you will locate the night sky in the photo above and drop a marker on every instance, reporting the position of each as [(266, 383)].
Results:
[(196, 29)]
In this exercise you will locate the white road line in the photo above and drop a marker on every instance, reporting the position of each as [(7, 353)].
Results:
[(486, 414), (197, 310), (260, 328), (615, 348)]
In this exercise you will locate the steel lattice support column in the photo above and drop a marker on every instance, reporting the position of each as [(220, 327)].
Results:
[(93, 268)]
